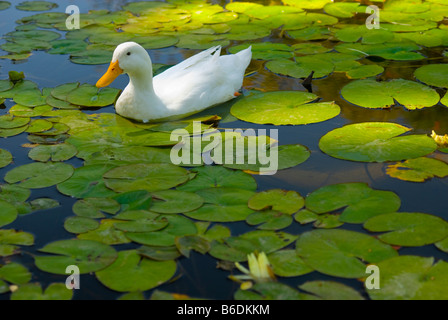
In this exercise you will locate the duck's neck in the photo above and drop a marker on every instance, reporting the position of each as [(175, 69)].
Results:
[(141, 80)]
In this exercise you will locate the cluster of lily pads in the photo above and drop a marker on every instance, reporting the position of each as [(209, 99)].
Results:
[(128, 192)]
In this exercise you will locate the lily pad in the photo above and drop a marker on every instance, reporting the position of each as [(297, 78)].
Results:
[(39, 175), (5, 158), (8, 121), (94, 207), (358, 200), (57, 152), (150, 177), (419, 277), (302, 67), (279, 200), (408, 229), (222, 205), (39, 125), (105, 233), (32, 97), (271, 291), (11, 239), (9, 213), (174, 201), (372, 94), (418, 170), (375, 142), (80, 224), (33, 291), (218, 176), (90, 96), (283, 108), (286, 263), (132, 272), (15, 273), (330, 290), (89, 256), (36, 5), (269, 220), (340, 253), (92, 56), (433, 75)]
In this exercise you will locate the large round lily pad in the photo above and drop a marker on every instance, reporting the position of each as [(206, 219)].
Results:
[(5, 158), (433, 75), (89, 256), (341, 253), (87, 95), (150, 177), (39, 174), (132, 272), (284, 107), (418, 170), (375, 142), (408, 229), (358, 201)]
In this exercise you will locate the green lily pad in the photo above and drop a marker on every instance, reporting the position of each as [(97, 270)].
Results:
[(150, 177), (141, 225), (90, 96), (33, 291), (43, 204), (9, 213), (5, 158), (156, 41), (433, 75), (132, 272), (283, 108), (359, 201), (80, 224), (279, 200), (6, 85), (286, 263), (178, 226), (36, 5), (134, 200), (4, 133), (86, 182), (192, 242), (4, 5), (418, 170), (9, 122), (39, 125), (330, 290), (39, 175), (11, 239), (174, 201), (375, 142), (32, 97), (89, 256), (271, 291), (269, 220), (27, 112), (61, 91), (400, 51), (92, 56), (344, 9), (15, 273), (302, 67), (372, 94), (420, 279), (57, 152), (408, 229), (340, 253), (94, 207), (105, 233), (67, 46), (222, 205), (217, 176), (265, 51)]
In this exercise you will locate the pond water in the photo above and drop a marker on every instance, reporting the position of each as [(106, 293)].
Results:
[(198, 275)]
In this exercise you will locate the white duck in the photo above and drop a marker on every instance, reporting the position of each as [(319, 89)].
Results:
[(201, 81)]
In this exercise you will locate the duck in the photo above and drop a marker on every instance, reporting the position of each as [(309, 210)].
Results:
[(195, 84)]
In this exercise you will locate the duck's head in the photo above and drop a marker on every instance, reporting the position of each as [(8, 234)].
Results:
[(128, 57)]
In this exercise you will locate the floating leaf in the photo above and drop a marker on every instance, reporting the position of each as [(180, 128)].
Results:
[(284, 107), (330, 290), (141, 225), (4, 5), (173, 201), (89, 256), (217, 176), (43, 204), (375, 142), (134, 200), (270, 291), (222, 205), (39, 125), (90, 96), (359, 200), (36, 5), (192, 242), (8, 213), (11, 239), (39, 175), (150, 177), (286, 263), (433, 75), (302, 67), (67, 46), (419, 278), (418, 170), (92, 56), (159, 253), (80, 224), (269, 220), (5, 158), (57, 152), (33, 291), (8, 121), (106, 233), (373, 94), (87, 182), (277, 199), (408, 229), (93, 207), (131, 272), (32, 97), (340, 253), (15, 273), (156, 42)]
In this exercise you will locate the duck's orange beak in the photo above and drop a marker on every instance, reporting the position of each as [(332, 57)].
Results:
[(112, 72)]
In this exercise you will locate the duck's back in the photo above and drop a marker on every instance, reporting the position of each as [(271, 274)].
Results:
[(202, 81)]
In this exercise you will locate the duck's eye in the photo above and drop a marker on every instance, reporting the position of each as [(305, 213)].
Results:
[(128, 53)]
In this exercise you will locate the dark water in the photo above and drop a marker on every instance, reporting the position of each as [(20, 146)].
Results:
[(198, 276)]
